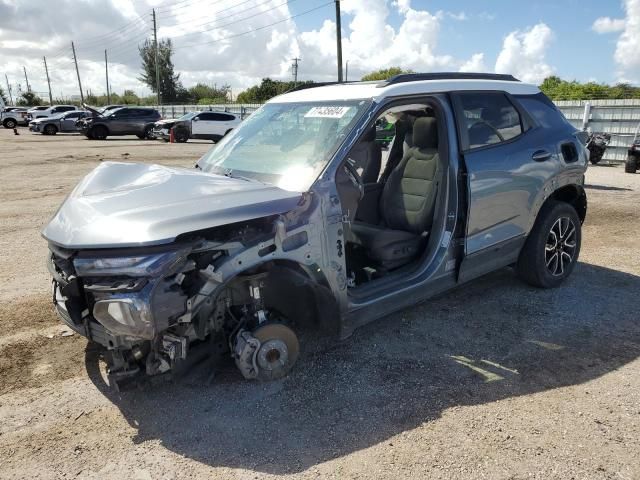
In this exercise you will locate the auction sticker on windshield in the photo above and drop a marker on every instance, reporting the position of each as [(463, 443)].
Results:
[(327, 112)]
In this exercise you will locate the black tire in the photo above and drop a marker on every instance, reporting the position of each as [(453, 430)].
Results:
[(99, 132), (181, 135), (50, 130), (631, 165), (546, 260), (9, 123), (148, 133)]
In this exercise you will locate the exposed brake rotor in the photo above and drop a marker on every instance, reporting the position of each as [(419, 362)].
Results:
[(278, 352), (268, 352)]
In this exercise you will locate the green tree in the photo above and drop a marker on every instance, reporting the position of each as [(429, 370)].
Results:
[(129, 97), (3, 96), (557, 89), (384, 74), (29, 99), (267, 89), (206, 94), (169, 80)]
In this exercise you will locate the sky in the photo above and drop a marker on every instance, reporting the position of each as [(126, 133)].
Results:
[(238, 42)]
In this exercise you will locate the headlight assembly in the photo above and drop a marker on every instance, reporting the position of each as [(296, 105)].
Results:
[(132, 266)]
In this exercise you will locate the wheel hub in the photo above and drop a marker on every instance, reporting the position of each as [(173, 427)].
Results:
[(267, 353), (560, 246)]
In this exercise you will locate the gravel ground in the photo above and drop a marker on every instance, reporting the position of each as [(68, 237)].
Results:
[(493, 380)]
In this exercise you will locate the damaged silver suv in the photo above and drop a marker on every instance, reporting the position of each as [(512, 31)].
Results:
[(299, 220)]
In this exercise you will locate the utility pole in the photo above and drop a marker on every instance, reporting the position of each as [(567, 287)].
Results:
[(106, 71), (75, 60), (26, 79), (294, 70), (339, 40), (9, 88), (155, 42), (346, 71), (46, 69)]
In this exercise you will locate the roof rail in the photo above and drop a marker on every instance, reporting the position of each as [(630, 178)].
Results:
[(304, 86), (414, 77)]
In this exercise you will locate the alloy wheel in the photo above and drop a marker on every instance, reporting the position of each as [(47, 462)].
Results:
[(560, 247)]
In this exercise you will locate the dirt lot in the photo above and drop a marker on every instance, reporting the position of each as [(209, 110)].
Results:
[(493, 380)]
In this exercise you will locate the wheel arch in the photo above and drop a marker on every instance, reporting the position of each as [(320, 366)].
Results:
[(574, 195), (294, 287), (100, 125)]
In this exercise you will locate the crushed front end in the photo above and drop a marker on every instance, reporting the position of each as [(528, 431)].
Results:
[(125, 301)]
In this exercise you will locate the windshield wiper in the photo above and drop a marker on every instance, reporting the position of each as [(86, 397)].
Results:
[(229, 173)]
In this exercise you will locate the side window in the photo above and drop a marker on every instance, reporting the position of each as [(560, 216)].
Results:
[(489, 118), (205, 116), (543, 110), (65, 109)]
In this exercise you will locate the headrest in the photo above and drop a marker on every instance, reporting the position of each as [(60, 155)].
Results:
[(499, 117), (370, 135), (425, 133)]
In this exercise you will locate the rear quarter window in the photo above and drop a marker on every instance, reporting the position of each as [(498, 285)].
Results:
[(543, 110)]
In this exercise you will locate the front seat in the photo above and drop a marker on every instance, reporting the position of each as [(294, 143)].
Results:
[(367, 155), (407, 203)]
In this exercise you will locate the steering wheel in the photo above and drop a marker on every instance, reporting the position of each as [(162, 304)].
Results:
[(354, 176), (495, 130)]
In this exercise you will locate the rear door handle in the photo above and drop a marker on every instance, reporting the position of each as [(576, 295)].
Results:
[(540, 155)]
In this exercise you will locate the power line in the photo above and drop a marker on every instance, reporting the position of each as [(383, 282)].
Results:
[(215, 20), (254, 29), (235, 21)]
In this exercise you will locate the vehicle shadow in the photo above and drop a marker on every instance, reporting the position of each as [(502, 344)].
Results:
[(491, 339)]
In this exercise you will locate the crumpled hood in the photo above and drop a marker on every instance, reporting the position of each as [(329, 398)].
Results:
[(166, 121), (132, 204)]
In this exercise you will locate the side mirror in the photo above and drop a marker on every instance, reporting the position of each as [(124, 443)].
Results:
[(195, 119)]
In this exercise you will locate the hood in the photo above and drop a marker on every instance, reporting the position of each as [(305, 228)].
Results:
[(92, 111), (166, 121), (132, 204)]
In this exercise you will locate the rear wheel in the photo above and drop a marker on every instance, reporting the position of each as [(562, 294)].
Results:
[(99, 132), (631, 165), (10, 123), (552, 248), (50, 130)]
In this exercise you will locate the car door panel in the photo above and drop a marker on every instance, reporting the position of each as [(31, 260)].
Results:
[(502, 183)]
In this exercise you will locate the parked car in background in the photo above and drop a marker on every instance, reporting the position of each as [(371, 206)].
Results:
[(137, 121), (204, 125), (162, 128), (632, 163), (45, 112), (11, 117), (278, 230), (61, 122)]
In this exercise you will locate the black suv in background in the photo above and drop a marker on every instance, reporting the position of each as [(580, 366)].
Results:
[(121, 121)]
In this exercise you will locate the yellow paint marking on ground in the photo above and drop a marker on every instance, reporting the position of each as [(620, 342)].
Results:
[(486, 374), (547, 345)]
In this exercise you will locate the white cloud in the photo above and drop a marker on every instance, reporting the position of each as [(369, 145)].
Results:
[(523, 54), (211, 45), (608, 25), (627, 54), (474, 64), (370, 43)]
